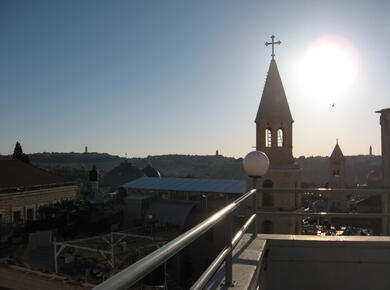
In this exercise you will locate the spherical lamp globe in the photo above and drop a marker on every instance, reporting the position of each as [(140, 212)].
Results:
[(256, 164)]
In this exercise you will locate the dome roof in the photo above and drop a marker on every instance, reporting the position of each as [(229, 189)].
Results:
[(150, 171), (121, 174)]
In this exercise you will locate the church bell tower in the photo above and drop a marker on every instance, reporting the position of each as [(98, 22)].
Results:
[(274, 125)]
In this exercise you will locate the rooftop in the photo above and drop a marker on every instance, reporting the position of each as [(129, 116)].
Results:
[(17, 174), (337, 154), (273, 104), (188, 184)]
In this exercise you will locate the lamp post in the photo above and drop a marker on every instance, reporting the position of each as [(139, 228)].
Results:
[(256, 164)]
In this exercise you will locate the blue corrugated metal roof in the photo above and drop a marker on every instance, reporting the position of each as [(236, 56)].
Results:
[(138, 196), (188, 184)]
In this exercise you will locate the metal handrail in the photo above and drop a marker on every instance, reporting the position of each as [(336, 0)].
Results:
[(135, 272), (214, 266)]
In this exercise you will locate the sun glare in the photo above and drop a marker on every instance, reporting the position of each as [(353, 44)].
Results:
[(328, 67)]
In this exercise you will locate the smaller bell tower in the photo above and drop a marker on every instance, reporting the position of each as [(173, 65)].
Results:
[(336, 172)]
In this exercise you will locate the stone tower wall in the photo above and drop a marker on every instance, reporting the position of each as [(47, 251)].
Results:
[(385, 137)]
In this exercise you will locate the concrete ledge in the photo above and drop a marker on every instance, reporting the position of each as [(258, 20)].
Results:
[(325, 238), (326, 262), (327, 241), (246, 265)]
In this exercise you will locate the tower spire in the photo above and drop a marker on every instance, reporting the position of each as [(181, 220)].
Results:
[(273, 104)]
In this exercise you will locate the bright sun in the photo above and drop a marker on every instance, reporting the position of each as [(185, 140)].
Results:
[(328, 67)]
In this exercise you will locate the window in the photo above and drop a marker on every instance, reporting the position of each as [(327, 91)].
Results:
[(38, 211), (17, 217), (280, 138), (268, 199), (268, 137), (268, 183), (297, 227), (30, 214)]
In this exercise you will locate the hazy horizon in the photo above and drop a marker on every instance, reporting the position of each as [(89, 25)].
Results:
[(152, 78), (185, 154)]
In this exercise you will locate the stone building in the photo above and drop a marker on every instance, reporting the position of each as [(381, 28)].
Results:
[(92, 192), (336, 178), (385, 133), (274, 124), (93, 180), (336, 170), (24, 188)]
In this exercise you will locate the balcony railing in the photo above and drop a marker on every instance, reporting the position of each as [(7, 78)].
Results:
[(132, 274), (135, 272)]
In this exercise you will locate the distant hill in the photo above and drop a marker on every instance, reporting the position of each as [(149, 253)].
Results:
[(85, 161), (314, 169), (197, 166)]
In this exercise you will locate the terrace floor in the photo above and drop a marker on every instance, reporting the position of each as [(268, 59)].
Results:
[(276, 262)]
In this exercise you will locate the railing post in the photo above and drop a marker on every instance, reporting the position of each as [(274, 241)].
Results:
[(254, 209), (298, 206), (385, 210), (229, 258), (55, 256), (112, 252)]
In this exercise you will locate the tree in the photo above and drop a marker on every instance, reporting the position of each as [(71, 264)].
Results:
[(18, 154), (18, 151)]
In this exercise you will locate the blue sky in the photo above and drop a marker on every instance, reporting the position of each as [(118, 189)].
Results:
[(160, 77)]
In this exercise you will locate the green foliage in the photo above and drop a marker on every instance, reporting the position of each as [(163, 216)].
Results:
[(18, 151), (49, 210)]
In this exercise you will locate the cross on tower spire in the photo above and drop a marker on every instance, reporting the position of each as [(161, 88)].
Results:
[(273, 44)]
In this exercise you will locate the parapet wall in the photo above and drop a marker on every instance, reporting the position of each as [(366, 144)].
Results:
[(313, 262)]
